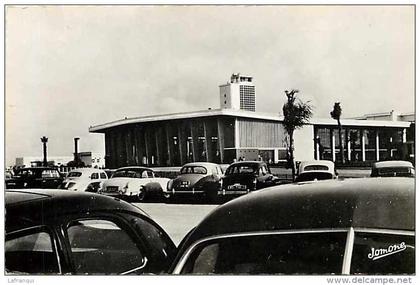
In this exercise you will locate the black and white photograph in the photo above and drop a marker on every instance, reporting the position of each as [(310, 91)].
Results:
[(222, 140)]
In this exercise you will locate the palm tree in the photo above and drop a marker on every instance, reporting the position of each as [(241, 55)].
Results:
[(336, 115), (296, 114)]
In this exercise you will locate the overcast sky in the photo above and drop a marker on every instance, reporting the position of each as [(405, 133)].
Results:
[(70, 67)]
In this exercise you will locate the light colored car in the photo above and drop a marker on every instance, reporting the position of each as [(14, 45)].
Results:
[(84, 179), (392, 168), (134, 182), (316, 170)]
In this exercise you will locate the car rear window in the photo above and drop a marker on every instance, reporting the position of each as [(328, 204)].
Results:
[(394, 171), (241, 169), (130, 173), (315, 167), (301, 253), (313, 176), (193, 170)]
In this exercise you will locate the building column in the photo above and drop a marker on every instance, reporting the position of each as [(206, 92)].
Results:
[(194, 140), (169, 145), (404, 135), (220, 139), (128, 148), (207, 145), (158, 145), (348, 144), (147, 146), (317, 148), (236, 132), (333, 145), (363, 144), (377, 145), (182, 144)]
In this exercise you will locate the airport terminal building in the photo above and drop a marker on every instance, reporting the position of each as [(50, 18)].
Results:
[(236, 131)]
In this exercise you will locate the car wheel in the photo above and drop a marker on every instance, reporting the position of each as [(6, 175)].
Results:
[(142, 194)]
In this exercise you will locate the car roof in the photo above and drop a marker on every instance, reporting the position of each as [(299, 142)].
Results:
[(133, 167), (326, 163), (204, 164), (248, 163), (386, 203), (317, 162), (392, 163), (32, 206)]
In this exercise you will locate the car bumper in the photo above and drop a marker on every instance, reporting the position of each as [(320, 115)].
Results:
[(232, 192)]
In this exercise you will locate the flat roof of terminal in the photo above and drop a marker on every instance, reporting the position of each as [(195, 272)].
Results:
[(243, 114)]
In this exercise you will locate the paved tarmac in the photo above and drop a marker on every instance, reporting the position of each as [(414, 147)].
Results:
[(176, 219)]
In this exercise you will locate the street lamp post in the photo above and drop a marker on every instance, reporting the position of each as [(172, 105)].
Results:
[(44, 141)]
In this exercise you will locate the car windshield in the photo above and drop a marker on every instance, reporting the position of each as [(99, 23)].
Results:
[(309, 176), (131, 173), (193, 170), (242, 169), (74, 174)]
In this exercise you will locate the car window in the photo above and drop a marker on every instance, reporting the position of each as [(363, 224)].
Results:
[(240, 169), (375, 253), (395, 171), (309, 253), (103, 175), (150, 174), (160, 246), (101, 247), (74, 174), (50, 173), (310, 176), (131, 173), (94, 176), (25, 173), (193, 170), (315, 167), (31, 252)]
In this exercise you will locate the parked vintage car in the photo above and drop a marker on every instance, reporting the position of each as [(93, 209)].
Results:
[(84, 179), (316, 170), (353, 226), (246, 176), (35, 177), (197, 178), (134, 182), (65, 232), (393, 168)]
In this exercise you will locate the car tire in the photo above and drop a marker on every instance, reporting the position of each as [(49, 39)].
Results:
[(142, 195)]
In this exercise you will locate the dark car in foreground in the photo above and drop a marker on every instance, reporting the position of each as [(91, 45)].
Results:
[(35, 177), (66, 232), (393, 168), (353, 226), (246, 176), (196, 179)]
